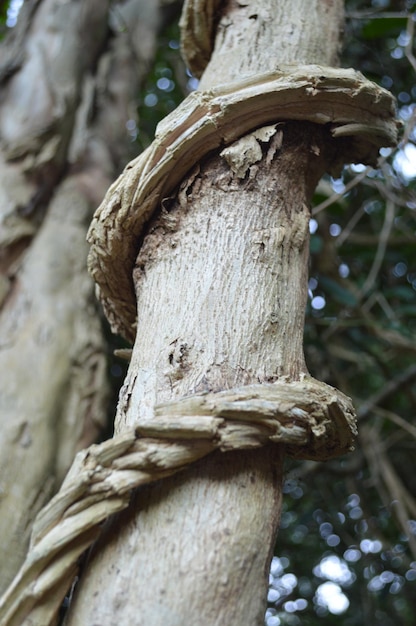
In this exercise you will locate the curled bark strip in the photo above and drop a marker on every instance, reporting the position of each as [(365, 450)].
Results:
[(312, 419), (359, 114)]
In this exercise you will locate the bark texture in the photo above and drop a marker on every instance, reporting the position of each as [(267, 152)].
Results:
[(230, 258), (69, 74), (286, 30), (311, 420), (220, 282), (201, 540), (296, 35)]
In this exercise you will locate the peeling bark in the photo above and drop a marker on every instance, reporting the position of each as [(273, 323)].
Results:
[(235, 252)]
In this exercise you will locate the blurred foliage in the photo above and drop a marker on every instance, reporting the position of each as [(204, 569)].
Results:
[(167, 84), (346, 551), (4, 5), (9, 10)]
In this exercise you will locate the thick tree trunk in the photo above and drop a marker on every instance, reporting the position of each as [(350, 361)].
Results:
[(66, 98), (221, 288)]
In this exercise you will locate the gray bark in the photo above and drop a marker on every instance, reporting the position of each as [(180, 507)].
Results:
[(220, 282), (68, 85)]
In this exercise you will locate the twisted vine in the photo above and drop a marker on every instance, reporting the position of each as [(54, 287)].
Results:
[(310, 418)]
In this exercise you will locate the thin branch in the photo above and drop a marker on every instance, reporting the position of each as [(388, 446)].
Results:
[(336, 196), (378, 298), (409, 46), (385, 478), (346, 231), (389, 388), (384, 189), (396, 419), (381, 248)]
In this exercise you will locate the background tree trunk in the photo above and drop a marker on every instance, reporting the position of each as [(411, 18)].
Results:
[(70, 74), (221, 288)]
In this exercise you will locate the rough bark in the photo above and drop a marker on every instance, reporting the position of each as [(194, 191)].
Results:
[(220, 282), (66, 96), (230, 258), (286, 30)]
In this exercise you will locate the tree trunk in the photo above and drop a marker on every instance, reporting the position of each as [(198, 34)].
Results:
[(66, 98), (220, 282)]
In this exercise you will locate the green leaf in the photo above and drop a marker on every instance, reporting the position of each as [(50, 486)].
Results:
[(316, 244), (402, 292), (382, 26), (408, 310), (337, 292)]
